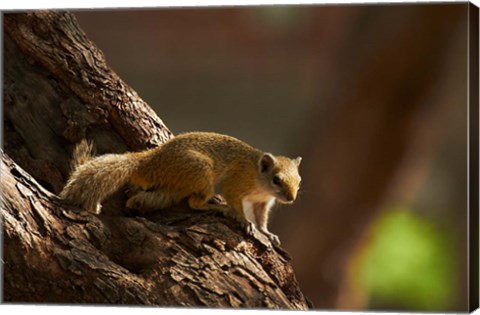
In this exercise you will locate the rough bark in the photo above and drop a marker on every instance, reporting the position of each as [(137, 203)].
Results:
[(58, 90)]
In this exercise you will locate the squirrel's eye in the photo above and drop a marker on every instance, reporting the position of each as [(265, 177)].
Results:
[(276, 180)]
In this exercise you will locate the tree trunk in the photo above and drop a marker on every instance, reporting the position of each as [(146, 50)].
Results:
[(58, 90)]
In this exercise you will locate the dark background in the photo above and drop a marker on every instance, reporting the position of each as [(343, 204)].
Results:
[(373, 97)]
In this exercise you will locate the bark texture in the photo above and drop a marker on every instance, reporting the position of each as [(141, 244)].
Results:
[(58, 90)]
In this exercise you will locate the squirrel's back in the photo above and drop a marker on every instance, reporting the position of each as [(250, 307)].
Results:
[(211, 139), (193, 150), (222, 147)]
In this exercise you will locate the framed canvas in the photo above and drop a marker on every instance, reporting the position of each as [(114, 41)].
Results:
[(293, 157)]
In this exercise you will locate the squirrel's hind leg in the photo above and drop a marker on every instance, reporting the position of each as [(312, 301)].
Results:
[(150, 200), (200, 201), (201, 188)]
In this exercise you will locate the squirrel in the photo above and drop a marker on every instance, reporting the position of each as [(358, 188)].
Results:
[(193, 166)]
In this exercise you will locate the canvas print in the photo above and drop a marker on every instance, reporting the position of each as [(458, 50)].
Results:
[(294, 157)]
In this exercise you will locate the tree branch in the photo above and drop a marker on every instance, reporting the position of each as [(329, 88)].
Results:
[(56, 254), (58, 90)]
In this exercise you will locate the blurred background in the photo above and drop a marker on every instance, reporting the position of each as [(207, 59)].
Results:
[(373, 97)]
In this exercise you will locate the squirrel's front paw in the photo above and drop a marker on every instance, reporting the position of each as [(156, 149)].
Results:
[(249, 228), (272, 237)]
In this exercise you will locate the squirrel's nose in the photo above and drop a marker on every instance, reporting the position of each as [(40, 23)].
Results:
[(289, 197)]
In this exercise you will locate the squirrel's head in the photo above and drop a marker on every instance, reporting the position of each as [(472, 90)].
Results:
[(279, 175)]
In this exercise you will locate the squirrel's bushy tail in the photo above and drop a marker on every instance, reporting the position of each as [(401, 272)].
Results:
[(82, 153), (94, 179)]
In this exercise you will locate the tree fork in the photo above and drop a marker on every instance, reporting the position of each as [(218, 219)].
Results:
[(58, 90)]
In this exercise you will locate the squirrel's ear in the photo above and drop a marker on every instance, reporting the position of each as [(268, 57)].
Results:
[(298, 160), (266, 162)]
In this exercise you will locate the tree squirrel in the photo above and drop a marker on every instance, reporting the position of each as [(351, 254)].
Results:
[(193, 166)]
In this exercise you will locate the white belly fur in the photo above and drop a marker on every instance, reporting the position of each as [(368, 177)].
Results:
[(248, 211), (249, 201)]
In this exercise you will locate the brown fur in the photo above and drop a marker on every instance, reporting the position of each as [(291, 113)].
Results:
[(193, 166), (82, 153)]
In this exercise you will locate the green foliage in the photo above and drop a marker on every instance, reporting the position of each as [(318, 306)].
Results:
[(409, 264)]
